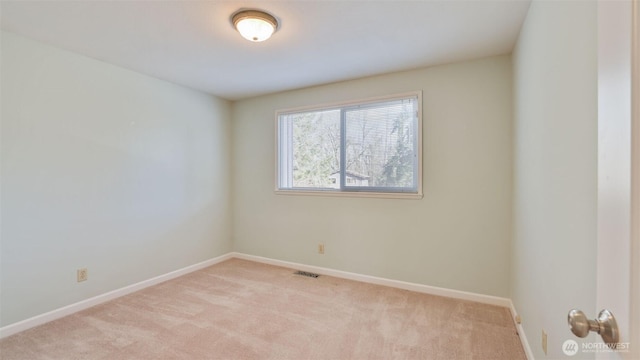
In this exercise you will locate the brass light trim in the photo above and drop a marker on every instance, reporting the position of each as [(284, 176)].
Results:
[(257, 19)]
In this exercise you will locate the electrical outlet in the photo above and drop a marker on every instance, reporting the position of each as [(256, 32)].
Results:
[(320, 248), (518, 320), (544, 342), (83, 275)]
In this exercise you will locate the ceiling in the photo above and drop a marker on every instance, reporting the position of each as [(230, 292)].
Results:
[(193, 43)]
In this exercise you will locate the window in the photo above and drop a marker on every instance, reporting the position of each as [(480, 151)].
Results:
[(369, 148)]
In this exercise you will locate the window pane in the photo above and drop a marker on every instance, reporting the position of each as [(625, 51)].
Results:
[(367, 147), (380, 145), (316, 149)]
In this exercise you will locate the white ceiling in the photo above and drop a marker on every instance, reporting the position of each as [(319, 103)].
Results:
[(193, 43)]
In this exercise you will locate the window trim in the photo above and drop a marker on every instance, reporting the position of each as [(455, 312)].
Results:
[(342, 193)]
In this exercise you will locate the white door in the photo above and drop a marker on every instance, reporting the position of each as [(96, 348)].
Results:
[(635, 188), (618, 246)]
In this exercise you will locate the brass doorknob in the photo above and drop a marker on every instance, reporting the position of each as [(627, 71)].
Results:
[(605, 325)]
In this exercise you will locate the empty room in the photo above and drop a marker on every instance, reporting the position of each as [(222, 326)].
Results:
[(435, 179)]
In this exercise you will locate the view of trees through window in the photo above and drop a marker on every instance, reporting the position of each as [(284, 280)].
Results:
[(378, 148), (316, 148)]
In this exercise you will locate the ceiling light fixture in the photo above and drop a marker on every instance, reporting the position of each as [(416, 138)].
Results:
[(254, 25)]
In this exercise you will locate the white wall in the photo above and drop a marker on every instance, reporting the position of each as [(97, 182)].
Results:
[(457, 237), (106, 169), (555, 171)]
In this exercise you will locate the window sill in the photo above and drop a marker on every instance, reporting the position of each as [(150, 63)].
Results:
[(353, 194)]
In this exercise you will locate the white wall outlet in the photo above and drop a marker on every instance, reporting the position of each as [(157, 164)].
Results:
[(544, 342), (320, 248), (83, 275), (518, 320)]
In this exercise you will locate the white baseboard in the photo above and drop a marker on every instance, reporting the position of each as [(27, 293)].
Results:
[(521, 334), (425, 289), (85, 304)]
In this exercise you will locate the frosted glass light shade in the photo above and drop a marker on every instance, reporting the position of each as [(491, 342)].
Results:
[(254, 25)]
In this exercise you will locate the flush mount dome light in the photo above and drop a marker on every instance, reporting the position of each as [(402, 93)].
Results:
[(254, 25)]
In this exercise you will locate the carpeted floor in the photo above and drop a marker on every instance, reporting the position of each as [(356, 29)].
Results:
[(244, 310)]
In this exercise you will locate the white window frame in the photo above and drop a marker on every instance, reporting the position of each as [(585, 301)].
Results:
[(375, 193)]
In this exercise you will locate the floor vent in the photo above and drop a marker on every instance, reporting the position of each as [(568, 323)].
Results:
[(308, 274)]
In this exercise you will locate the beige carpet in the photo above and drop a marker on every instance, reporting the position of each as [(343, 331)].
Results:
[(244, 310)]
